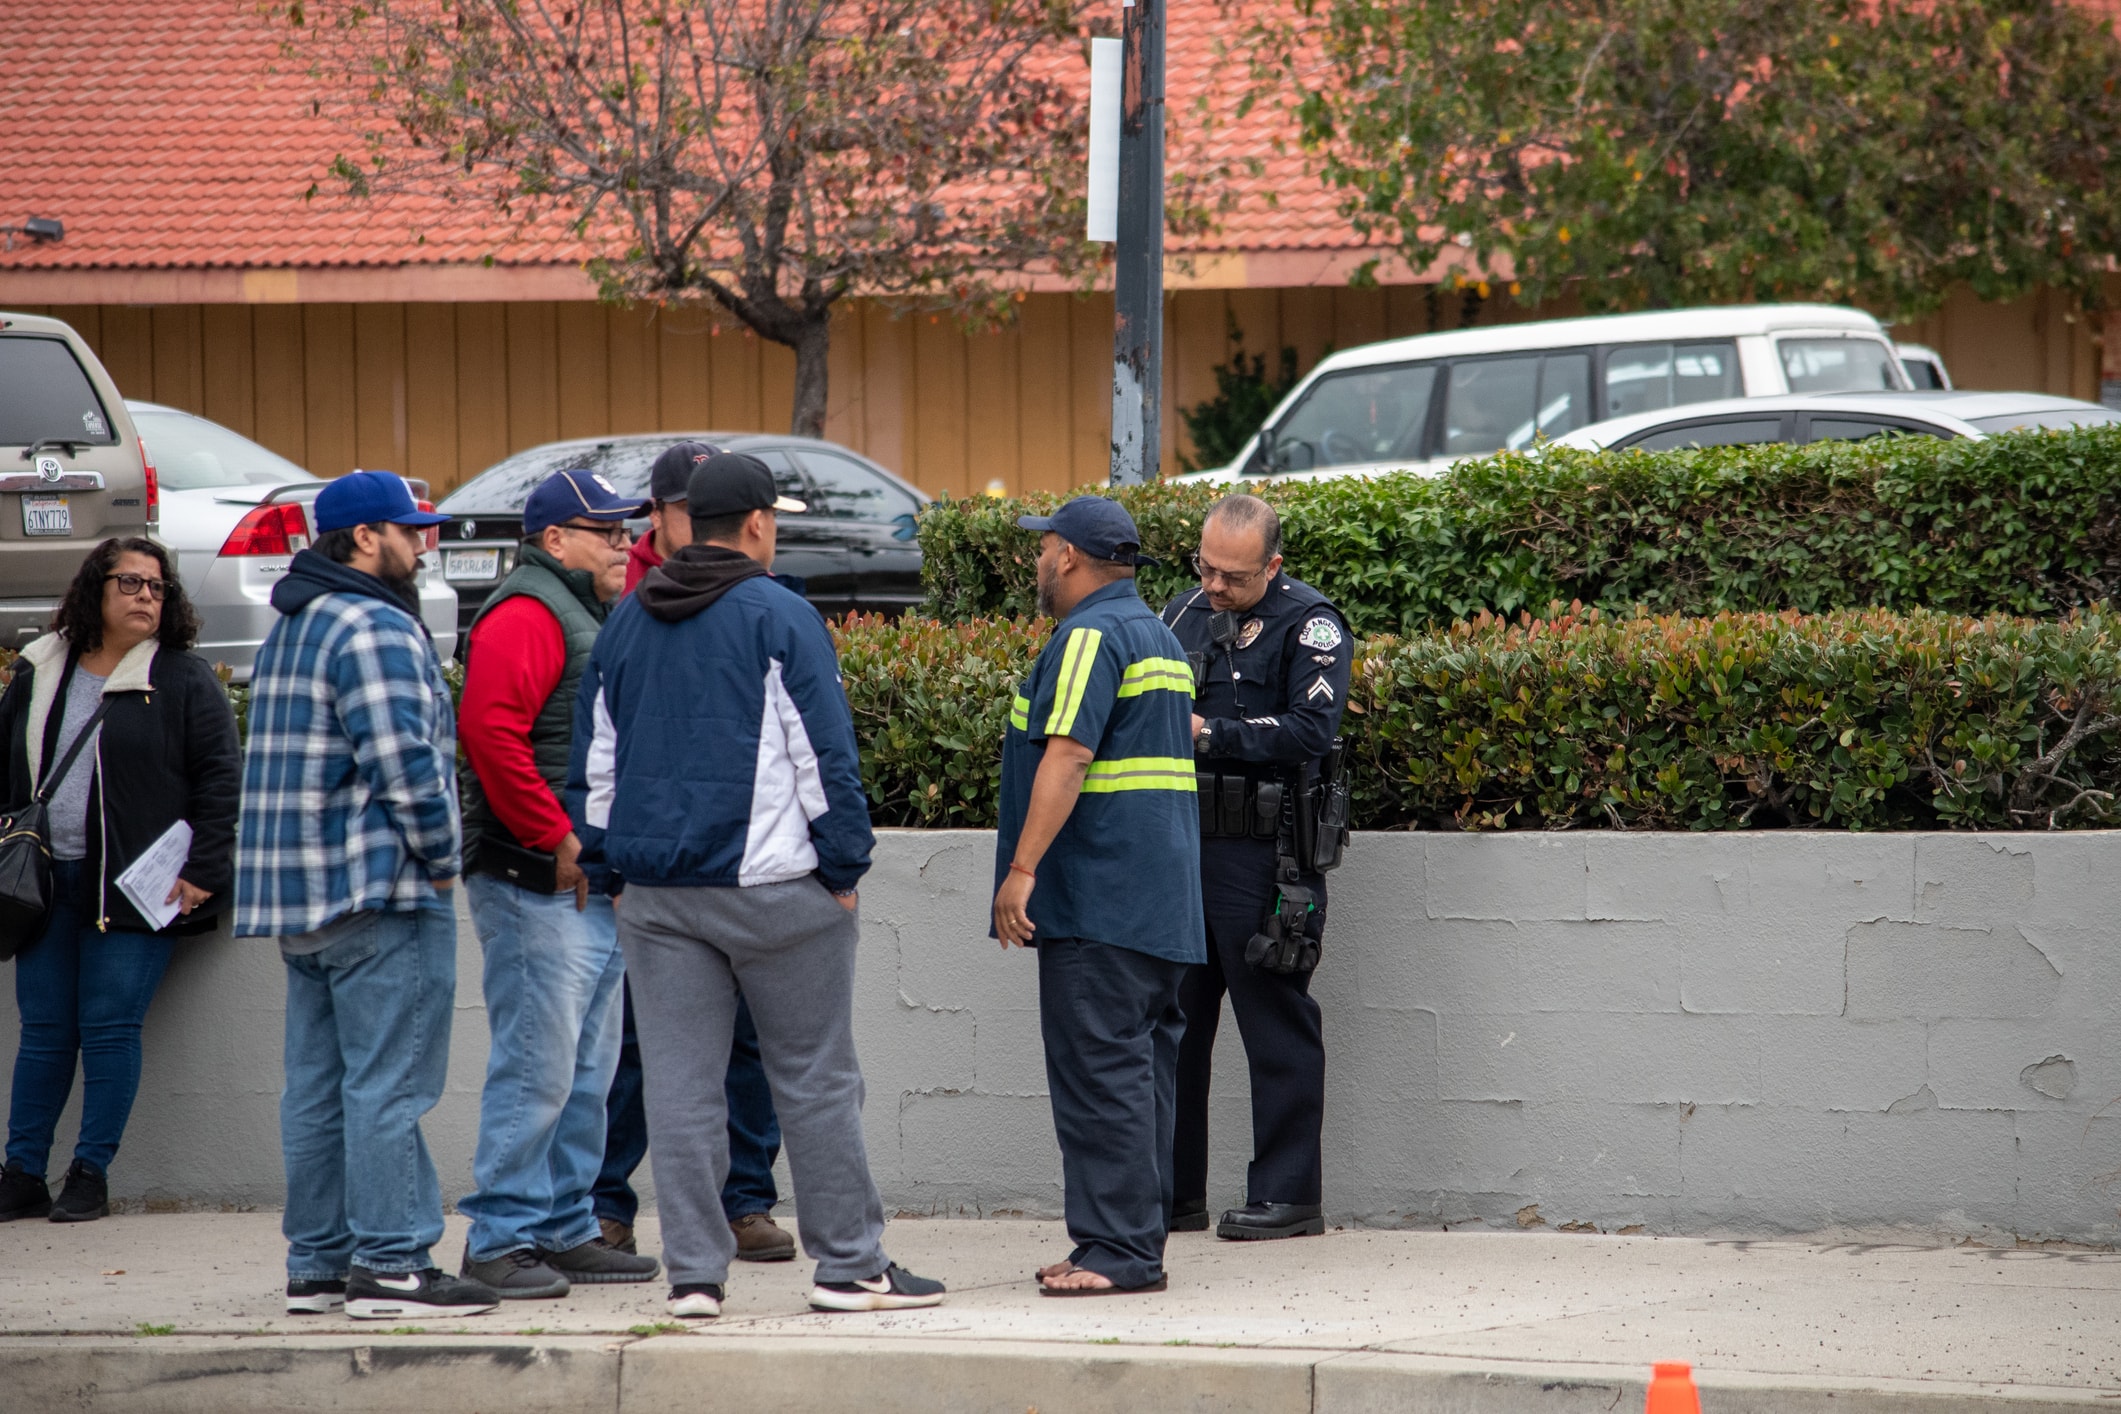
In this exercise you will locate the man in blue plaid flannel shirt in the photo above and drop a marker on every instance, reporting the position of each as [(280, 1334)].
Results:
[(346, 851)]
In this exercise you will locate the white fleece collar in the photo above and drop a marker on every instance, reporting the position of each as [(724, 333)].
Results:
[(48, 656)]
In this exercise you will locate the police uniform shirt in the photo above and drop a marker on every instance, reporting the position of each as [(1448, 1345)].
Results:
[(1124, 869), (1274, 697)]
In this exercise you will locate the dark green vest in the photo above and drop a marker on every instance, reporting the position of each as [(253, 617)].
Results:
[(571, 596)]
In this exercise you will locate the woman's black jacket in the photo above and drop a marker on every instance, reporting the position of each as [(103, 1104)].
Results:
[(168, 753)]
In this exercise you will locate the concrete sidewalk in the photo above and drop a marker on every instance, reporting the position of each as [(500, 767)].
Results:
[(183, 1312)]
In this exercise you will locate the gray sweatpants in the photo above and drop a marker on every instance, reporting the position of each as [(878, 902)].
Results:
[(790, 947)]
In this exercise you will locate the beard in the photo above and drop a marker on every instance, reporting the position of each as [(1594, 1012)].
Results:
[(1047, 578)]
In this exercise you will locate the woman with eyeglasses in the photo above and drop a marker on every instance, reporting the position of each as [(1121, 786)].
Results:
[(164, 750)]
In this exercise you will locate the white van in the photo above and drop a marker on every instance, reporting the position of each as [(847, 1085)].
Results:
[(1422, 403)]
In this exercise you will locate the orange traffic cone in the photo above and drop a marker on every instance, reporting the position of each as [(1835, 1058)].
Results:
[(1672, 1389)]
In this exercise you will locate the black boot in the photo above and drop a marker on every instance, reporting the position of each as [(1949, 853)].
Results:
[(1260, 1220), (22, 1194), (1189, 1215), (85, 1197)]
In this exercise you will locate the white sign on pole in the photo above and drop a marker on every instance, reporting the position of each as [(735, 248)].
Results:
[(1106, 61)]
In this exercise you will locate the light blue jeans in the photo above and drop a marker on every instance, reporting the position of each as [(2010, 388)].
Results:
[(367, 1055), (552, 1002)]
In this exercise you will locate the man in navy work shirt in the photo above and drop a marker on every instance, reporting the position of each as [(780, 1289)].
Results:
[(1097, 866)]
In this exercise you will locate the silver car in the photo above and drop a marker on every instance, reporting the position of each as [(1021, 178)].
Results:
[(234, 513), (1838, 417)]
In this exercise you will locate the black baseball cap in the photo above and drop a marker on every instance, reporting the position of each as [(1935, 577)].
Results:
[(667, 478), (730, 483), (1094, 526)]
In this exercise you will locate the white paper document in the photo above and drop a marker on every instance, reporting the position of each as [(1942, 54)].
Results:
[(150, 878)]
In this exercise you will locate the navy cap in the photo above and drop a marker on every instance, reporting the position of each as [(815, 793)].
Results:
[(673, 469), (1095, 526), (366, 497), (567, 494), (731, 483)]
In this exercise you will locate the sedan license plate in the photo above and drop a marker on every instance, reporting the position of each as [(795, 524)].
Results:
[(46, 515), (471, 564)]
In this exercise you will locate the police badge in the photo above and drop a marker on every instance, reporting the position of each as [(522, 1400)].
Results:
[(1250, 632)]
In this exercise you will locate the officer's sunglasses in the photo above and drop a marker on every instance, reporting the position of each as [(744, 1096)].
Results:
[(1232, 578)]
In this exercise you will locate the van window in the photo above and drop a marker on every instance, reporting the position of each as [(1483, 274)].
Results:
[(1730, 432), (1646, 377), (45, 395), (1507, 403), (1363, 415), (1837, 365)]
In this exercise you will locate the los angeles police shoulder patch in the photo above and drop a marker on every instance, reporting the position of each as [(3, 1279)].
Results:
[(1320, 633)]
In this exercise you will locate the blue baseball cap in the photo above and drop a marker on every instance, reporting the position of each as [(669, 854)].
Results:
[(567, 494), (366, 497), (1094, 526)]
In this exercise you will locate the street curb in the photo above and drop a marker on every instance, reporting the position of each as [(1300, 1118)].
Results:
[(386, 1374)]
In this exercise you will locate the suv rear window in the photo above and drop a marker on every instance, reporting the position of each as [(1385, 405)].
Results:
[(45, 395)]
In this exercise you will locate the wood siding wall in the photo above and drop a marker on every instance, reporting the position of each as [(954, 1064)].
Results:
[(442, 391)]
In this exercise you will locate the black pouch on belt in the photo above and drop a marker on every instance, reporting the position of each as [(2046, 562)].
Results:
[(1230, 797), (1267, 799)]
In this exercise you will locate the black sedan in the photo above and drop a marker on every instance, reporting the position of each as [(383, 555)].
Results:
[(853, 549)]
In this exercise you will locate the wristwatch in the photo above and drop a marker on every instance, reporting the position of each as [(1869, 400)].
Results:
[(1202, 738)]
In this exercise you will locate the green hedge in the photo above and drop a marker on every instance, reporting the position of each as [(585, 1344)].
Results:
[(1859, 720), (2028, 523)]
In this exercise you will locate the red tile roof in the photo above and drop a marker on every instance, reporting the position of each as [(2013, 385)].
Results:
[(169, 134)]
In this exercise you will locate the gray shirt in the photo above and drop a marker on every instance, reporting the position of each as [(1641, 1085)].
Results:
[(68, 817)]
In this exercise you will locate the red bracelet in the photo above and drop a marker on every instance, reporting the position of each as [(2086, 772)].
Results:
[(1030, 874)]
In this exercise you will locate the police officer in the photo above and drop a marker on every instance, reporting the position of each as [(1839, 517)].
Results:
[(1270, 655)]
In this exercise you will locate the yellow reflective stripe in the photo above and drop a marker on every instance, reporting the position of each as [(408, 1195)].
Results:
[(1140, 773), (1020, 713), (1076, 659), (1157, 675)]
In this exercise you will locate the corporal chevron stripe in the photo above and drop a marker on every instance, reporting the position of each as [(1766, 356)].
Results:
[(1140, 773), (1020, 712), (1076, 659), (1157, 675)]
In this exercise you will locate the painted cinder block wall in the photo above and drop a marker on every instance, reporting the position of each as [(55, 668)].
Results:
[(1785, 1032)]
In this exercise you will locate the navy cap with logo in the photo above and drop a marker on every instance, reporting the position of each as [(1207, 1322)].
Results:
[(1095, 526), (673, 469), (564, 495), (731, 483), (367, 498)]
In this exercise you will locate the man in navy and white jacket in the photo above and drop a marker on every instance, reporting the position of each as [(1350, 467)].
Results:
[(716, 776)]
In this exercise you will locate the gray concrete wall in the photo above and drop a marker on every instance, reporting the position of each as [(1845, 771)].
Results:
[(1771, 1032)]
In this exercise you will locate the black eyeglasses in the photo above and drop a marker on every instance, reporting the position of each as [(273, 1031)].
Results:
[(131, 584), (616, 536)]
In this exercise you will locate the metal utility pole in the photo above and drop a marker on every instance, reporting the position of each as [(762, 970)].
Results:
[(1138, 288)]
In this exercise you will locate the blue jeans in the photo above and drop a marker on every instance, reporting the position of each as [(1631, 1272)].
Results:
[(85, 992), (552, 1001), (367, 1055), (754, 1129)]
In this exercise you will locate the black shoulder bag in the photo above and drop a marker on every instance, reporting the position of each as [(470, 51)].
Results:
[(26, 854)]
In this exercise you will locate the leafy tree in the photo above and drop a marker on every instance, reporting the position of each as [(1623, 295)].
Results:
[(1244, 394), (767, 157), (1658, 152)]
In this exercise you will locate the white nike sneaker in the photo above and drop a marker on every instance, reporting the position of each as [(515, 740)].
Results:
[(415, 1296), (893, 1289)]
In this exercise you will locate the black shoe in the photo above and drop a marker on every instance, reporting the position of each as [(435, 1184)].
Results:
[(1262, 1220), (598, 1261), (85, 1197), (892, 1289), (1189, 1215), (521, 1275), (22, 1194), (701, 1301), (315, 1298), (415, 1296)]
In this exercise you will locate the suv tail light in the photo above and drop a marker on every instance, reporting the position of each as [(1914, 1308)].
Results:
[(271, 529), (154, 485), (432, 536)]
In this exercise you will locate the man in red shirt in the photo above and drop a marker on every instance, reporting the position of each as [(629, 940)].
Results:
[(754, 1129), (553, 968)]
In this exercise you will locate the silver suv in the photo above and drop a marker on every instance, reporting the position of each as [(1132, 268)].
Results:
[(72, 469)]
